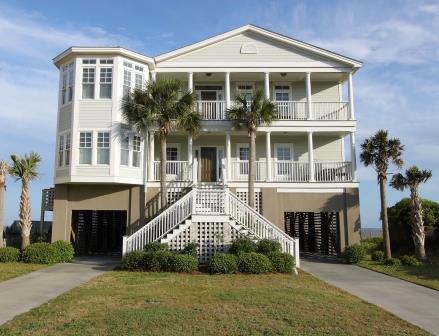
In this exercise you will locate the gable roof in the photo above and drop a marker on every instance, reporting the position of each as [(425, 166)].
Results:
[(275, 36)]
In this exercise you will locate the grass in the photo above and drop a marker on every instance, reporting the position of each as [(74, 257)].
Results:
[(426, 274), (12, 270), (123, 303)]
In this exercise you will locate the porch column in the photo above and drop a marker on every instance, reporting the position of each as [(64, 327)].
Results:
[(267, 85), (351, 96), (227, 89), (308, 96), (189, 149), (311, 157), (228, 156), (190, 81), (151, 157), (353, 157), (268, 154)]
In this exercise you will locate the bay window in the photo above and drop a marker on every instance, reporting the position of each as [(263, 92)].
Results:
[(136, 151), (124, 151), (88, 83), (106, 83), (85, 147), (71, 81), (60, 150), (126, 82), (103, 148), (67, 149)]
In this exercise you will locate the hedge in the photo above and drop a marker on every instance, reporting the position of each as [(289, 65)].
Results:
[(223, 263), (64, 251), (183, 263), (378, 256), (266, 246), (133, 261), (191, 248), (409, 260), (392, 262), (281, 262), (242, 245), (252, 262), (9, 254), (159, 261), (155, 247), (354, 254), (45, 253)]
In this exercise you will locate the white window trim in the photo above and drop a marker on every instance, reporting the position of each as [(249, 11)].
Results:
[(131, 147), (252, 84), (238, 159), (97, 82), (93, 149), (218, 92), (289, 145), (290, 90), (66, 69), (176, 145), (109, 148)]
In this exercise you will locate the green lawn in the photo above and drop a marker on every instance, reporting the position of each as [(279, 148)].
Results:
[(12, 270), (123, 303), (426, 275)]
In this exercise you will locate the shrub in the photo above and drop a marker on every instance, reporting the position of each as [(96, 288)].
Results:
[(373, 244), (354, 254), (266, 246), (133, 261), (252, 262), (39, 253), (392, 262), (282, 262), (242, 245), (64, 251), (191, 249), (9, 254), (409, 260), (222, 263), (378, 256), (183, 263), (155, 247), (157, 261)]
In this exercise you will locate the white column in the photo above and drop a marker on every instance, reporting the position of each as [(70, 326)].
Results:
[(268, 154), (228, 156), (151, 157), (227, 89), (267, 85), (189, 149), (353, 156), (190, 81), (311, 156), (351, 96), (153, 75), (308, 96)]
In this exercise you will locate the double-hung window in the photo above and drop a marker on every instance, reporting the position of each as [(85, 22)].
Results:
[(244, 156), (60, 150), (125, 150), (103, 148), (88, 83), (85, 147), (284, 157), (126, 82), (282, 92), (64, 86), (136, 151), (71, 81), (106, 83), (67, 79), (67, 149), (172, 155), (138, 82), (246, 90)]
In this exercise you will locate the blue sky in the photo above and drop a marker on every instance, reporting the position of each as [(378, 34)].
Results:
[(397, 89)]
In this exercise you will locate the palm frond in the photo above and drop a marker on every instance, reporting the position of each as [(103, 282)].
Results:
[(25, 168)]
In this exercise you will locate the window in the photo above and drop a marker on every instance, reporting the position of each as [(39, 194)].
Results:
[(124, 150), (88, 83), (103, 148), (85, 147), (61, 151), (246, 90), (106, 61), (171, 154), (283, 154), (138, 82), (88, 61), (136, 151), (282, 92), (127, 64), (139, 68), (106, 80), (71, 80), (67, 149), (64, 87), (243, 155), (126, 82)]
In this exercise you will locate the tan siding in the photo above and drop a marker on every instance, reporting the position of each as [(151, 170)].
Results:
[(65, 118), (95, 114)]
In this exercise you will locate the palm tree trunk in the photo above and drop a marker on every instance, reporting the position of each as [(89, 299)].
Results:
[(418, 233), (251, 170), (2, 199), (384, 218), (163, 191), (25, 216)]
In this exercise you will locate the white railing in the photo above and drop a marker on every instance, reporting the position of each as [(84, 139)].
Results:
[(240, 170), (333, 171), (290, 171), (331, 110), (160, 225), (259, 226), (211, 109), (175, 171), (291, 110), (209, 201)]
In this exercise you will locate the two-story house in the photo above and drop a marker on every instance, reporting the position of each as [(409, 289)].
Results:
[(107, 176)]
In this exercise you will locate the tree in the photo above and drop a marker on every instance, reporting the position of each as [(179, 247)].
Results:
[(250, 115), (164, 105), (25, 169), (3, 173), (379, 151), (412, 178)]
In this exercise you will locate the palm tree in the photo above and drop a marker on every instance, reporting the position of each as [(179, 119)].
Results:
[(25, 169), (379, 151), (412, 179), (162, 104), (3, 173), (249, 115)]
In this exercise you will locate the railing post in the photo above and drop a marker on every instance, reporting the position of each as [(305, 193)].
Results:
[(224, 171), (297, 252), (194, 200), (226, 201), (124, 245), (195, 171)]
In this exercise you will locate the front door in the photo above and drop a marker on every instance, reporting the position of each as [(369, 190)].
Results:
[(208, 164)]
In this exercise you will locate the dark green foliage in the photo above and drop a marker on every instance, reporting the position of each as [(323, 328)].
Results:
[(242, 245), (222, 263), (39, 253), (373, 244), (354, 254), (409, 260), (9, 254), (183, 263), (156, 246), (378, 256), (266, 246), (64, 251), (159, 261), (282, 262), (191, 249), (133, 261), (252, 262), (392, 262)]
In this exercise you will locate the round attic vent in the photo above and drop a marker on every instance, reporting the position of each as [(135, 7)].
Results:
[(249, 48)]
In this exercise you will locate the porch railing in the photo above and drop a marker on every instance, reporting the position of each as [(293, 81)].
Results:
[(290, 171), (291, 110), (175, 171), (331, 110), (211, 109), (333, 171), (240, 170)]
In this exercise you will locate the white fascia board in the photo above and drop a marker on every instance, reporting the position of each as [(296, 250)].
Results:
[(267, 33), (296, 185), (310, 190), (100, 179), (251, 68)]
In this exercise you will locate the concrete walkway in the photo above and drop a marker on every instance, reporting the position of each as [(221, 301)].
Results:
[(416, 304), (23, 293)]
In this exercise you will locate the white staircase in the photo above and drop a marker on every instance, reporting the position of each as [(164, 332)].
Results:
[(209, 204)]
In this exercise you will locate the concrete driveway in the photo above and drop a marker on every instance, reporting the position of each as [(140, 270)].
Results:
[(416, 304), (21, 294)]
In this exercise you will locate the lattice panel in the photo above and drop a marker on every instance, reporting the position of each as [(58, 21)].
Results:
[(212, 237), (242, 195)]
